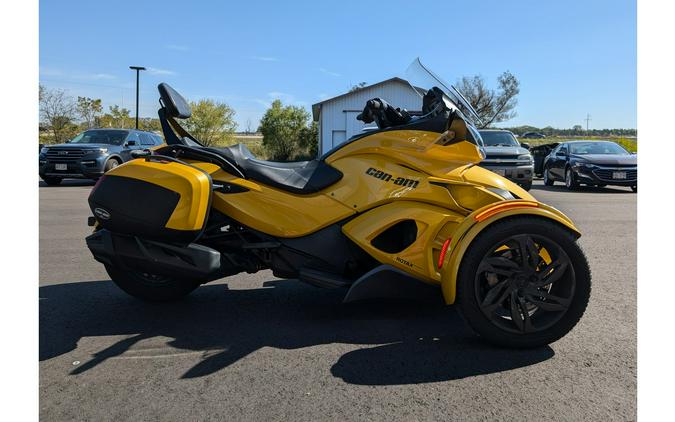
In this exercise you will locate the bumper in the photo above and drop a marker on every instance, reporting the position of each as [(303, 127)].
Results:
[(85, 168), (605, 176), (518, 174)]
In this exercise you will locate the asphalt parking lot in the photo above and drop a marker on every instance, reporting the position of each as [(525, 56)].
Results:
[(253, 347)]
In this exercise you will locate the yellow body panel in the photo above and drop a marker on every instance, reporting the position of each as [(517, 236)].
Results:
[(418, 258), (469, 229), (192, 185), (276, 212)]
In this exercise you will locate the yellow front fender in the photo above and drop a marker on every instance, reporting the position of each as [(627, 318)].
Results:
[(477, 221)]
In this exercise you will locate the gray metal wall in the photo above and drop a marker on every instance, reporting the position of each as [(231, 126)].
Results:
[(337, 121)]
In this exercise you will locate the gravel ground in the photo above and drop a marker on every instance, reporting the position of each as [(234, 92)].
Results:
[(253, 347)]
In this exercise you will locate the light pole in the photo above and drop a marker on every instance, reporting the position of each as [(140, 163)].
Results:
[(138, 70)]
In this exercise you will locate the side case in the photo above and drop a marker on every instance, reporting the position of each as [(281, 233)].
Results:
[(158, 200)]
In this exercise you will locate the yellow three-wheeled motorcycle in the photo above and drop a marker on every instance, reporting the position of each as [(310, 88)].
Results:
[(392, 211)]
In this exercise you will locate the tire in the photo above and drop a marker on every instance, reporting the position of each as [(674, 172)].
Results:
[(52, 181), (547, 178), (111, 164), (634, 189), (545, 326), (526, 185), (149, 287), (571, 182)]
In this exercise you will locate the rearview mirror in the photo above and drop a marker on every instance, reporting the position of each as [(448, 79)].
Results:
[(130, 143), (524, 145), (561, 154)]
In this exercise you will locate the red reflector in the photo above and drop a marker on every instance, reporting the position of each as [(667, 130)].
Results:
[(444, 249)]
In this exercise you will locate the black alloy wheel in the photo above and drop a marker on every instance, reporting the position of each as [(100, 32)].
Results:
[(518, 290), (523, 282)]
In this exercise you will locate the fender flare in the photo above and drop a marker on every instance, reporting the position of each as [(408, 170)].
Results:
[(478, 221)]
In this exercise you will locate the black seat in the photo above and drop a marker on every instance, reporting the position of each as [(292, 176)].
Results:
[(298, 177)]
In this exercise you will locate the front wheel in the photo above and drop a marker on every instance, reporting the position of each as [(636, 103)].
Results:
[(571, 181), (526, 185), (523, 282), (547, 178), (150, 287)]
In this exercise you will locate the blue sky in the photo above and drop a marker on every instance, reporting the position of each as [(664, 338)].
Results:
[(571, 57)]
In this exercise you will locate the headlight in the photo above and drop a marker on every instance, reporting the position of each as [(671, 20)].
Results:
[(526, 157), (43, 150), (103, 150), (583, 165), (501, 192)]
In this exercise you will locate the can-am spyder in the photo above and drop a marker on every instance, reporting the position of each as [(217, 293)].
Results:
[(390, 209)]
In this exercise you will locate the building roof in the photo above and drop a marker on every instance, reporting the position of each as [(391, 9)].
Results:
[(316, 107)]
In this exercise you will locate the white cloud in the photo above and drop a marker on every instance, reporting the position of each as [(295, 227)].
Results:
[(99, 76), (328, 72), (156, 71), (265, 58)]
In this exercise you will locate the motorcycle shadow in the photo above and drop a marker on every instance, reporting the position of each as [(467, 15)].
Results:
[(406, 342)]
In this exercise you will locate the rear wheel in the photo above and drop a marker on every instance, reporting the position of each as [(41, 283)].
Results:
[(150, 287), (52, 181), (547, 178), (524, 282)]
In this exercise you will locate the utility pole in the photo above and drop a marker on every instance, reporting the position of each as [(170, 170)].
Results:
[(588, 119), (138, 70)]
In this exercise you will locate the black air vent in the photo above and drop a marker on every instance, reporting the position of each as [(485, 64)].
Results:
[(397, 237)]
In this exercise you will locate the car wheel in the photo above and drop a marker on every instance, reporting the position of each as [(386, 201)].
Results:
[(110, 164), (526, 185), (52, 181), (150, 287), (523, 282), (547, 178), (571, 179)]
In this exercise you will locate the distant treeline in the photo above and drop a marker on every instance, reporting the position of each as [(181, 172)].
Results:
[(574, 131)]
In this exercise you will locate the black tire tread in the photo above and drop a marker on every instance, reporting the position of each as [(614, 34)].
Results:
[(174, 289), (485, 329)]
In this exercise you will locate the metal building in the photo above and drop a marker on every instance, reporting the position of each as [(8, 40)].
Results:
[(337, 116)]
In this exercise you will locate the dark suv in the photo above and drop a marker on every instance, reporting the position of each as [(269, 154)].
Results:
[(92, 153)]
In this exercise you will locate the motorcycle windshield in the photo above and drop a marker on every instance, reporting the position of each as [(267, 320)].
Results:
[(423, 79)]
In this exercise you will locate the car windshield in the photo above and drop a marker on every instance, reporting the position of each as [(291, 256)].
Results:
[(110, 137), (582, 148), (495, 139), (423, 79)]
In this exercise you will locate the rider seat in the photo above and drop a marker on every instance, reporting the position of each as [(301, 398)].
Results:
[(302, 177)]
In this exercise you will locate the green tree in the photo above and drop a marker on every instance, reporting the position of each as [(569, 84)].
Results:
[(89, 109), (57, 113), (490, 105), (211, 123), (120, 117), (308, 140), (283, 129)]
